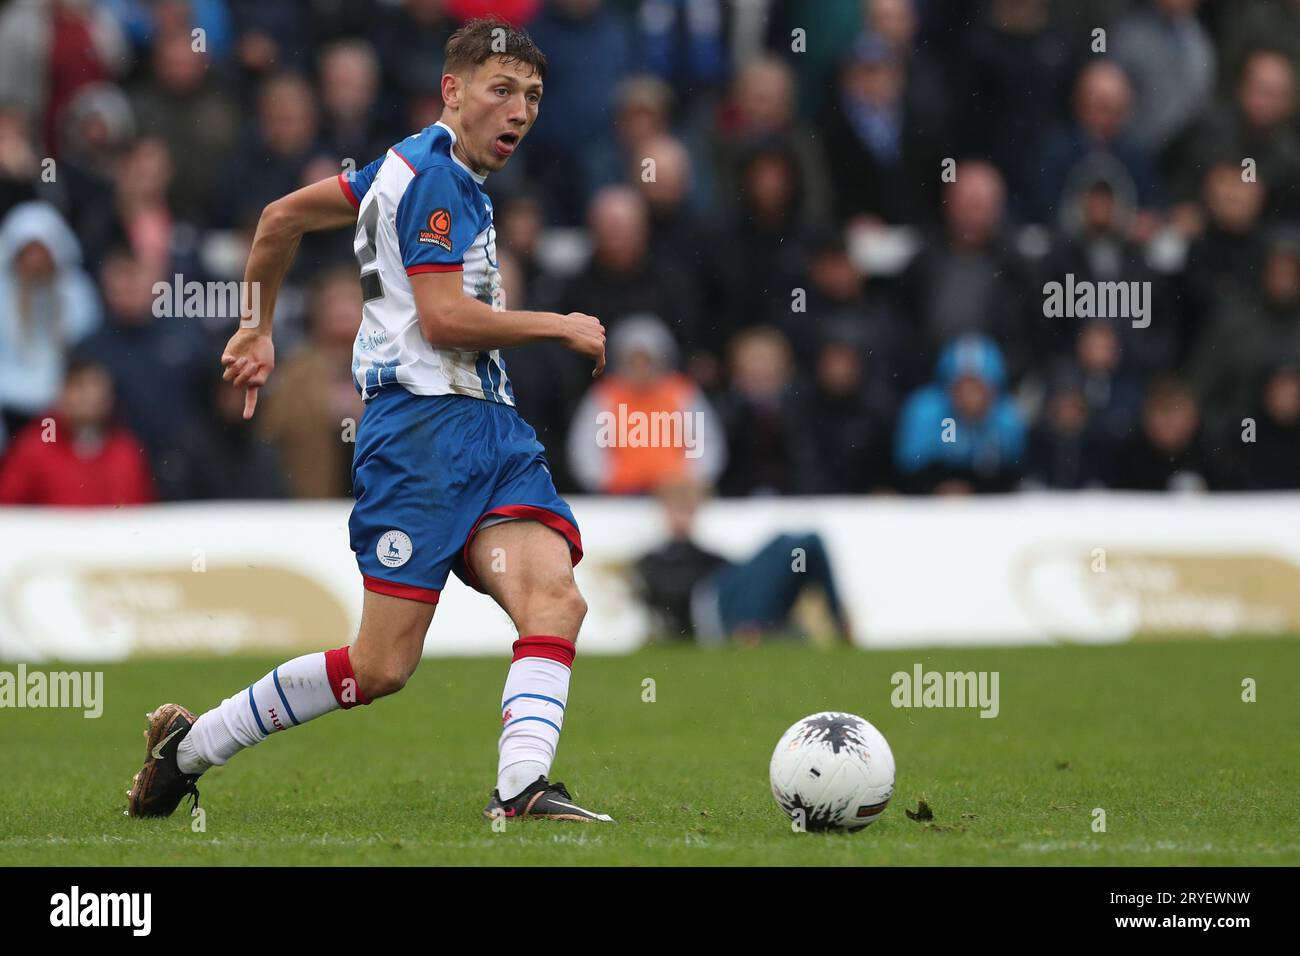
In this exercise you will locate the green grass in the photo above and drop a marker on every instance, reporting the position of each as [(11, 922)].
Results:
[(1155, 734)]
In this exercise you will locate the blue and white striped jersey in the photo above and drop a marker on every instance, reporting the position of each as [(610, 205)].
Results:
[(420, 209)]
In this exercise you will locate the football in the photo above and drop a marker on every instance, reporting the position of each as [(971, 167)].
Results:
[(832, 771)]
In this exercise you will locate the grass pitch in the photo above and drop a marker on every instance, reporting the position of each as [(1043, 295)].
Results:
[(1156, 735)]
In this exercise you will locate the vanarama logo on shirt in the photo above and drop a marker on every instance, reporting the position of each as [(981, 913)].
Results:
[(439, 231)]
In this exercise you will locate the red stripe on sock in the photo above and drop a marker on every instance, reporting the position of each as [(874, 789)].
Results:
[(338, 668), (551, 648)]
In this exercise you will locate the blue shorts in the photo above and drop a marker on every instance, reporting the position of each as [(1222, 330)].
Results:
[(428, 471)]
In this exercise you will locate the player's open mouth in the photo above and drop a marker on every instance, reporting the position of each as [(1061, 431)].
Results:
[(505, 143)]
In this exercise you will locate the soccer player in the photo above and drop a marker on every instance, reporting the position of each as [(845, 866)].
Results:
[(447, 476)]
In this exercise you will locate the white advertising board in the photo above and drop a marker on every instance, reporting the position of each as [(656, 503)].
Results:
[(279, 578)]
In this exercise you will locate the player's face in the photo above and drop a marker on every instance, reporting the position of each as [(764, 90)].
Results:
[(498, 108)]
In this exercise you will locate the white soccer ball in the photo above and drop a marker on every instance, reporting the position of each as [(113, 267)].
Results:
[(832, 771)]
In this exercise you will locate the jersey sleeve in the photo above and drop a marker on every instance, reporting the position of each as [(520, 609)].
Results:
[(436, 222), (356, 183)]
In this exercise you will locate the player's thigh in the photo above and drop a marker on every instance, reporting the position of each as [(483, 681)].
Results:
[(389, 645), (527, 568)]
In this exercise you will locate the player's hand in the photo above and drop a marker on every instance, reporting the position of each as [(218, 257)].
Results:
[(248, 358), (585, 335)]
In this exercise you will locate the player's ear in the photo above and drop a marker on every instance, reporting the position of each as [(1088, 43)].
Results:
[(451, 90)]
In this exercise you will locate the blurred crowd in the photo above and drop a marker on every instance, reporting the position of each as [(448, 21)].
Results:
[(821, 229)]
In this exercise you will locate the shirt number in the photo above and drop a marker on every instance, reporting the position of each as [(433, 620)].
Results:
[(367, 256)]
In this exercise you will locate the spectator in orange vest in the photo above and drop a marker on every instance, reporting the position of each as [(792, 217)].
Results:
[(643, 423)]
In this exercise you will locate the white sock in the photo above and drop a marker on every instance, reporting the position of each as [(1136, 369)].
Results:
[(293, 693), (532, 711), (512, 780)]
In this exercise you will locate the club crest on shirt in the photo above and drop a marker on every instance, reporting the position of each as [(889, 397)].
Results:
[(394, 548), (439, 231)]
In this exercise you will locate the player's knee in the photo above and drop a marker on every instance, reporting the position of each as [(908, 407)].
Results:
[(572, 607), (577, 607), (384, 677), (559, 607)]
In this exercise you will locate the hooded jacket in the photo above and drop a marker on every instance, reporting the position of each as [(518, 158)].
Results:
[(984, 449), (38, 327)]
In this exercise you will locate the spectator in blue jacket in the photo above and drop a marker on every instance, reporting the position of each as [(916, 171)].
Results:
[(962, 433)]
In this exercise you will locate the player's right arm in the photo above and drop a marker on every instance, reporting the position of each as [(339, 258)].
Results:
[(451, 319), (249, 356)]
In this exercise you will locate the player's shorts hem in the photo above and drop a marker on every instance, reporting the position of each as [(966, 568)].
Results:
[(393, 589), (552, 520)]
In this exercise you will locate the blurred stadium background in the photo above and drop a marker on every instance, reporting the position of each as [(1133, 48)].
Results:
[(824, 225)]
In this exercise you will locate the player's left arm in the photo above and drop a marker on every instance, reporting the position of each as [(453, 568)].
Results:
[(249, 356), (439, 218)]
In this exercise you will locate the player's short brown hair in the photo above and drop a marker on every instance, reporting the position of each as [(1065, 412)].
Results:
[(479, 40)]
